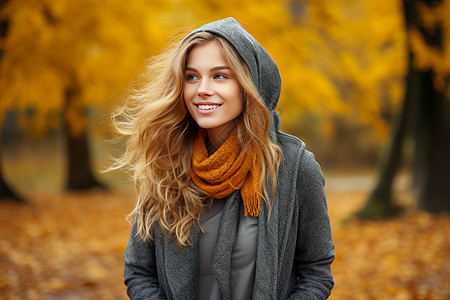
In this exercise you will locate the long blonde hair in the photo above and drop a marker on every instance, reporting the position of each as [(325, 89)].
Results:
[(160, 134)]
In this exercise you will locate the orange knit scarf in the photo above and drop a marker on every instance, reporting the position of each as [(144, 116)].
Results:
[(226, 170)]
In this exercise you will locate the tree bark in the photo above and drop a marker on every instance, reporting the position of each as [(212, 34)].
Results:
[(432, 143), (380, 203), (6, 192), (79, 174), (432, 131), (79, 171)]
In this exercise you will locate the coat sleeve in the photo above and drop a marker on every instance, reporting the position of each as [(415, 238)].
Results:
[(140, 273), (314, 250)]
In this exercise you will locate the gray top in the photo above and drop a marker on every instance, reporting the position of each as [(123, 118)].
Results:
[(243, 255)]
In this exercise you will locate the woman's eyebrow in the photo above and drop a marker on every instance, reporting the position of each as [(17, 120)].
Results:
[(218, 68)]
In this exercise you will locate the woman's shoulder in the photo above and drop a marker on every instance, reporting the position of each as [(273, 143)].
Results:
[(290, 145), (295, 152)]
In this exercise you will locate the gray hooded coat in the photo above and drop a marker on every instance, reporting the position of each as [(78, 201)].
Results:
[(294, 246)]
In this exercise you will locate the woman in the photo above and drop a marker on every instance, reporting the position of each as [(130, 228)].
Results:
[(228, 206)]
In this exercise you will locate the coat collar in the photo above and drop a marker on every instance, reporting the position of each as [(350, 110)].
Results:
[(267, 256), (226, 236), (182, 267)]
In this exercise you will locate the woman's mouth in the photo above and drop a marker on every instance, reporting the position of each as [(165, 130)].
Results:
[(206, 109), (207, 106)]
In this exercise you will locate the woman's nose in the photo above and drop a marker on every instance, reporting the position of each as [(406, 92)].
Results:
[(205, 88)]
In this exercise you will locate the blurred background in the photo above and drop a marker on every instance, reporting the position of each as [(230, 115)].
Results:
[(365, 85)]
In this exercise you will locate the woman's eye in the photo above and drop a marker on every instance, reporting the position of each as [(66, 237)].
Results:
[(220, 76), (191, 77)]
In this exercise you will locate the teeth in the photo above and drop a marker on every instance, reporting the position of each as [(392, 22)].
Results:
[(207, 107)]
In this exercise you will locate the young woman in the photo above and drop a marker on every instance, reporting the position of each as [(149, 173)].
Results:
[(228, 206)]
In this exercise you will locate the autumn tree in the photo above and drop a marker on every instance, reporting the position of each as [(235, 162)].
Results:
[(63, 59), (425, 114), (77, 54)]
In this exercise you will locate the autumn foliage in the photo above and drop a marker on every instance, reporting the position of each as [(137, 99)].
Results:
[(64, 65), (96, 47), (70, 246)]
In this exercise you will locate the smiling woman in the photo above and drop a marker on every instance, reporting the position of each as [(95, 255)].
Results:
[(228, 206), (211, 91)]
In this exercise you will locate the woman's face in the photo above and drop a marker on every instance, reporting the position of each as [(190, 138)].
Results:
[(211, 91)]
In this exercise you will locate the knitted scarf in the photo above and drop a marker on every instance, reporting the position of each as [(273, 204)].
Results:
[(226, 170)]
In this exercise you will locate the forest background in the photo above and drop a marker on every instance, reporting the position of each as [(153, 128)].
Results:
[(365, 85)]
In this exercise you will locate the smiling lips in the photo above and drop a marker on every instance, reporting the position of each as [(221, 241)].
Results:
[(207, 106), (206, 109)]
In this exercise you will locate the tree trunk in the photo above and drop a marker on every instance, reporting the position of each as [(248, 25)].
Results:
[(79, 172), (380, 203), (432, 143), (79, 168), (432, 131), (6, 191)]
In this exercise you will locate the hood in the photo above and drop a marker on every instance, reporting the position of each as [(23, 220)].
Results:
[(263, 69)]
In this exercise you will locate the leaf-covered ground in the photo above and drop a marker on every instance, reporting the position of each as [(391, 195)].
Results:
[(70, 246)]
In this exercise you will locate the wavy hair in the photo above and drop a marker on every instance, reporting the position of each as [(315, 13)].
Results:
[(160, 134)]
